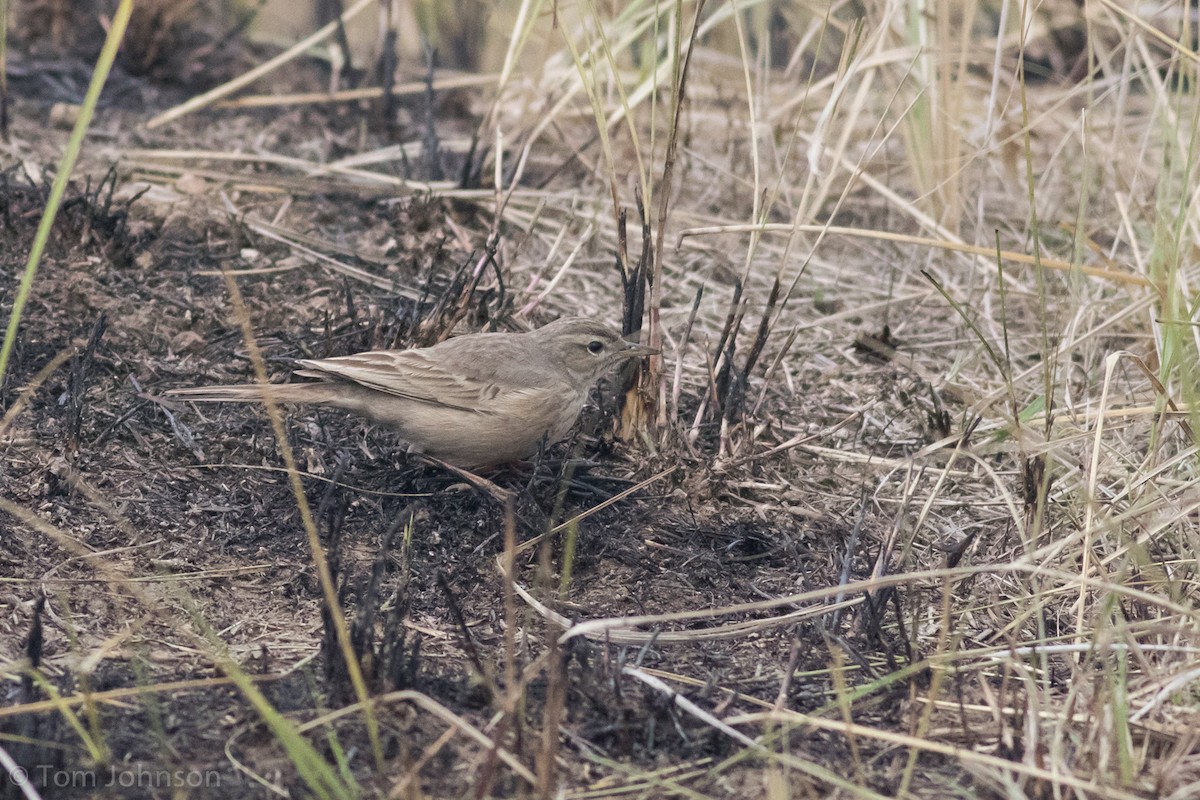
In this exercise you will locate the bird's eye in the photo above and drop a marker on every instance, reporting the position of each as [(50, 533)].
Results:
[(595, 347)]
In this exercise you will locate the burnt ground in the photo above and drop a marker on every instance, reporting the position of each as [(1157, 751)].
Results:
[(179, 520)]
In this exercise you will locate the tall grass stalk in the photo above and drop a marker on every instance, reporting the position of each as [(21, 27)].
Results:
[(325, 576)]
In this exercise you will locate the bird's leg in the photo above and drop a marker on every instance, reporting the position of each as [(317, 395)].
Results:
[(497, 493), (537, 463)]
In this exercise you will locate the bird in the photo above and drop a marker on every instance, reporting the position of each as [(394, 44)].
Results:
[(476, 400)]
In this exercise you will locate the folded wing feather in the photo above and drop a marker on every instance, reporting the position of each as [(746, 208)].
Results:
[(419, 375)]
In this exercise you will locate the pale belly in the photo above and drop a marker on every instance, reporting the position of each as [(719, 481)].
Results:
[(508, 432)]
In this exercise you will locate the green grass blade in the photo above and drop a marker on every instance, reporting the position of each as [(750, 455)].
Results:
[(104, 63)]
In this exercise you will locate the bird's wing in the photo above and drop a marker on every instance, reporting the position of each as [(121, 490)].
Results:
[(419, 375)]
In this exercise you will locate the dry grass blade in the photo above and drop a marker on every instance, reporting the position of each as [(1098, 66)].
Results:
[(17, 777), (957, 247), (314, 542), (430, 705), (440, 83), (575, 520), (814, 770), (924, 743), (293, 52), (27, 391)]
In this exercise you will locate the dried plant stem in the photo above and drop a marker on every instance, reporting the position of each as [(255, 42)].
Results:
[(325, 576), (228, 88)]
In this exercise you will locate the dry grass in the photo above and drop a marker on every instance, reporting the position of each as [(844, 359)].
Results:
[(907, 508)]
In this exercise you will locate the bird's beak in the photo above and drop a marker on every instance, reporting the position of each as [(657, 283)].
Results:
[(635, 350)]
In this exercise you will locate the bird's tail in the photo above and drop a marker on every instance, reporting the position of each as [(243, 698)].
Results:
[(255, 392)]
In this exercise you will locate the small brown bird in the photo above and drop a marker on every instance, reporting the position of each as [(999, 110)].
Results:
[(472, 401)]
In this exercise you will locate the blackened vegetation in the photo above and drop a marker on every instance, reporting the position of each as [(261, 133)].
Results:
[(389, 660), (433, 163), (453, 290), (385, 77), (91, 233), (723, 405), (73, 400), (634, 279), (633, 407), (436, 163), (30, 739), (184, 44), (734, 400), (1035, 488), (457, 288), (623, 718), (376, 601), (90, 221), (879, 347), (461, 299)]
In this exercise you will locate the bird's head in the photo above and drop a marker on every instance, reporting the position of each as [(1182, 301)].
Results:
[(587, 349)]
